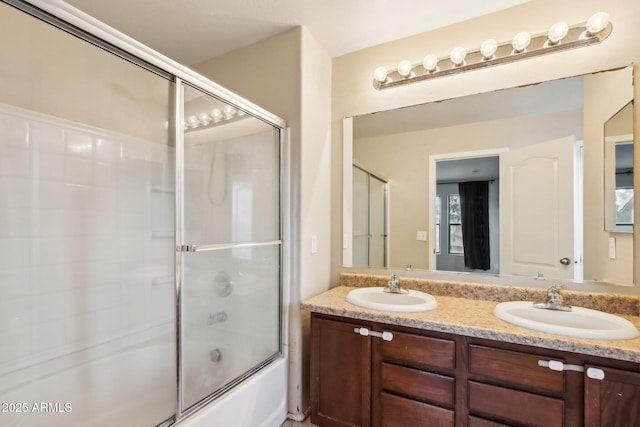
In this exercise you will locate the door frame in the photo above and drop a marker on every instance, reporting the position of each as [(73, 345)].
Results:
[(433, 159)]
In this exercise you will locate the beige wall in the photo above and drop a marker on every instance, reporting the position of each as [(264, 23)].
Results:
[(290, 76), (403, 159), (605, 95), (69, 78), (353, 93)]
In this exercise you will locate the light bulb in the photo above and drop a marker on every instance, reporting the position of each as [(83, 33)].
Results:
[(597, 23), (192, 121), (404, 68), (557, 32), (521, 41), (229, 111), (430, 62), (216, 114), (204, 118), (380, 74), (457, 55), (488, 48)]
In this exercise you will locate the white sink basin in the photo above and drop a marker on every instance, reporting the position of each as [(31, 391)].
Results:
[(577, 323), (378, 299)]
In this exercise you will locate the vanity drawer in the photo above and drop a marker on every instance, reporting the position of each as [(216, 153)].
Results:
[(515, 369), (519, 407), (420, 350), (425, 386), (401, 412)]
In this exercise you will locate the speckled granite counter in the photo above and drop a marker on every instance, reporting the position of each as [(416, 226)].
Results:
[(474, 317)]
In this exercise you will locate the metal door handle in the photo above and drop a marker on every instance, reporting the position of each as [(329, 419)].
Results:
[(565, 261)]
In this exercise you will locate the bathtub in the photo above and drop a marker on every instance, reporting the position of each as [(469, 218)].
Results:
[(136, 387), (258, 402)]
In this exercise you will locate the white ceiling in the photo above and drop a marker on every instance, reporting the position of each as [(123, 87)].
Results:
[(192, 31), (472, 169)]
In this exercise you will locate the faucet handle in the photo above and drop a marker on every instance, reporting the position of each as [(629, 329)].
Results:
[(554, 289)]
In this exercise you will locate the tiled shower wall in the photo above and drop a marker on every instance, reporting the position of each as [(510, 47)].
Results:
[(86, 236)]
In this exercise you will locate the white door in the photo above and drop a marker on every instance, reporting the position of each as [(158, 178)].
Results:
[(536, 210)]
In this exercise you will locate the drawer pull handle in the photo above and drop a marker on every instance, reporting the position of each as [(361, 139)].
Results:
[(387, 336), (556, 365), (595, 373)]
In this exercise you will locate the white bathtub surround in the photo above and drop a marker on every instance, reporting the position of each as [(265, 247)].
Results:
[(77, 253), (129, 387)]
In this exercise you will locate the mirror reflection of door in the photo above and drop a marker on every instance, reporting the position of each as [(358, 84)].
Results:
[(369, 219), (537, 205), (453, 252)]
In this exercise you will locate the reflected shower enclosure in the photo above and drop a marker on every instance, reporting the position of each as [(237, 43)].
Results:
[(140, 234), (370, 194)]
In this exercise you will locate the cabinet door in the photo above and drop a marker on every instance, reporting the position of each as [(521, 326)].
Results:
[(612, 398), (340, 375)]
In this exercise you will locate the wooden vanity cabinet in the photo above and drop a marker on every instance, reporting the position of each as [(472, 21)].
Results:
[(423, 378), (612, 397), (340, 374)]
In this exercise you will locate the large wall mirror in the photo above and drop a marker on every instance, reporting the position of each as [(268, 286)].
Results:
[(510, 182)]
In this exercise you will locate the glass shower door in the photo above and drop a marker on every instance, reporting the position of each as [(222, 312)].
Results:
[(369, 219), (230, 254), (86, 233)]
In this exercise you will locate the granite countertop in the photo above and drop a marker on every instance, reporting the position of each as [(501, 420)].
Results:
[(473, 317)]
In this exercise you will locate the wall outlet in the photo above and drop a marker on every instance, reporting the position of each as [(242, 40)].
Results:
[(421, 235), (612, 248)]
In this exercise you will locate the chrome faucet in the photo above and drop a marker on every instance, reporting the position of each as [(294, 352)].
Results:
[(554, 300), (393, 287)]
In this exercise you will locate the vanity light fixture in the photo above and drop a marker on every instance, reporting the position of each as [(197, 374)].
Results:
[(216, 116), (559, 37)]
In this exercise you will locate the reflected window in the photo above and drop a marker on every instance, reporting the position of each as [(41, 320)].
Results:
[(624, 209), (455, 224)]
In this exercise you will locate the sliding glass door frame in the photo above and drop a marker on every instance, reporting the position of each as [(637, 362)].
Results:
[(71, 20)]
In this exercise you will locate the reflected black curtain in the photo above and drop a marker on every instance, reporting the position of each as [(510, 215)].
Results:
[(474, 207)]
